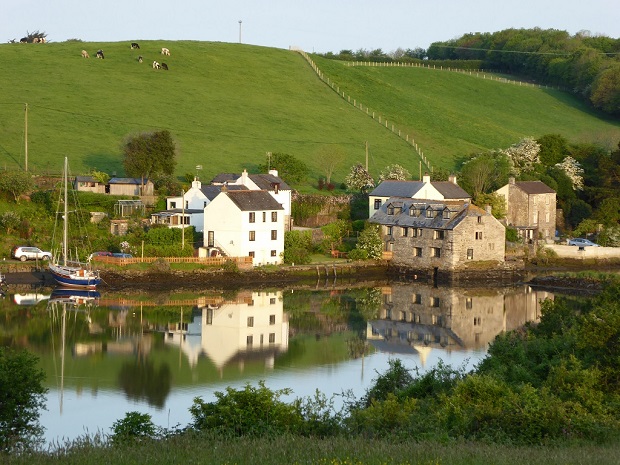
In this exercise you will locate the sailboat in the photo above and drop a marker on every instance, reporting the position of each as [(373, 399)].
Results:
[(68, 273)]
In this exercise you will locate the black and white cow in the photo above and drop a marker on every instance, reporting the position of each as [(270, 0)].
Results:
[(134, 45), (139, 58), (100, 54), (156, 65)]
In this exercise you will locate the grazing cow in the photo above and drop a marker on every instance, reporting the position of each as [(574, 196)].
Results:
[(156, 65), (85, 54), (165, 51), (164, 66), (100, 54), (35, 40), (134, 45), (140, 59), (23, 40)]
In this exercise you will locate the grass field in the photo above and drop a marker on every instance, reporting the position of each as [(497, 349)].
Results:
[(227, 105)]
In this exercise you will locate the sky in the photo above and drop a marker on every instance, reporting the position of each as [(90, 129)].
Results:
[(315, 26)]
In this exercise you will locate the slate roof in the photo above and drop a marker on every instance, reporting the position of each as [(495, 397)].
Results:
[(210, 191), (85, 179), (534, 187), (457, 213), (127, 181), (448, 189), (247, 200), (225, 177), (267, 182)]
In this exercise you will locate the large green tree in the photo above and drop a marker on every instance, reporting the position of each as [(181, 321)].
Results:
[(150, 155), (15, 183), (289, 168), (22, 396)]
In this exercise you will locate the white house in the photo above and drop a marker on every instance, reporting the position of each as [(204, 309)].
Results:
[(246, 223), (419, 190), (188, 209), (268, 182)]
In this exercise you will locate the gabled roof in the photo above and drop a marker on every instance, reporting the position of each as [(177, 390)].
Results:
[(268, 181), (397, 189), (225, 177), (85, 179), (534, 187), (247, 200), (458, 211), (449, 190), (211, 191), (127, 181)]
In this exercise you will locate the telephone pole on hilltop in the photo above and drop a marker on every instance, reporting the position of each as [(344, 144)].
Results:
[(26, 137)]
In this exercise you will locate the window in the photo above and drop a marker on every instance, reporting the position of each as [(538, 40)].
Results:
[(274, 217), (272, 319), (416, 232), (479, 220), (273, 253), (438, 234), (417, 251), (252, 217), (272, 338), (417, 299), (210, 239), (389, 230), (252, 235), (377, 204), (434, 301), (249, 340), (210, 316), (264, 217), (403, 316), (478, 235), (435, 252), (250, 321), (274, 234), (413, 212), (251, 254), (429, 213), (390, 210), (173, 205), (405, 231), (547, 217), (470, 254), (446, 214), (468, 303), (272, 301), (477, 321)]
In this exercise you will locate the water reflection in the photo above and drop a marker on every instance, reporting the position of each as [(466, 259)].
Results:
[(154, 352), (418, 319)]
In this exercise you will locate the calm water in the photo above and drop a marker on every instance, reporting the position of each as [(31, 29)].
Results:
[(108, 354)]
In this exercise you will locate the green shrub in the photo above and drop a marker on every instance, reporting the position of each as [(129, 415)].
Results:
[(251, 411), (135, 426), (358, 254)]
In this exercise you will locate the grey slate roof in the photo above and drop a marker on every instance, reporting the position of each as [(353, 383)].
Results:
[(127, 181), (211, 191), (248, 200), (534, 187), (225, 177), (85, 179), (410, 188), (457, 212), (268, 181)]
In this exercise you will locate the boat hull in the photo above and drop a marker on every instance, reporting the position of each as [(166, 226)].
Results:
[(75, 279)]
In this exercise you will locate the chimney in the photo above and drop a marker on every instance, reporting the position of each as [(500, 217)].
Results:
[(426, 178), (488, 209), (224, 188), (273, 173), (196, 183), (452, 179), (244, 177), (511, 180)]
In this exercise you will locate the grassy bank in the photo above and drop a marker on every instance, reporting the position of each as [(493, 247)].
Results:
[(205, 449)]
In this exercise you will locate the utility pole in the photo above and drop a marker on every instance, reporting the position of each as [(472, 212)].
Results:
[(268, 162), (367, 156), (183, 221), (26, 137), (239, 31)]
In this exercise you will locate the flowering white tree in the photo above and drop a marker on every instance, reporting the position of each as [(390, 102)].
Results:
[(573, 171), (359, 179), (524, 156), (394, 172)]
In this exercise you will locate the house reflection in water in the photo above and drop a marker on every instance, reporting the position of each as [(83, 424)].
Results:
[(418, 318), (252, 326)]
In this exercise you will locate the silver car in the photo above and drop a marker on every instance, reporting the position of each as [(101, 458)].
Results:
[(24, 253)]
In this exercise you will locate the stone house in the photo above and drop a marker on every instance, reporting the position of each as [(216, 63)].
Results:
[(530, 208), (422, 190), (435, 235)]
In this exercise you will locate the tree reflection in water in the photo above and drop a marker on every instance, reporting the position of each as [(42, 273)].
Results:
[(140, 380)]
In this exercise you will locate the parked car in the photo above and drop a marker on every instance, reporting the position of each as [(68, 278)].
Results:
[(122, 255), (24, 253), (100, 254), (578, 241)]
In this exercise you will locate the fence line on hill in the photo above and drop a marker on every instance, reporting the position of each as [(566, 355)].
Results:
[(479, 73), (383, 121)]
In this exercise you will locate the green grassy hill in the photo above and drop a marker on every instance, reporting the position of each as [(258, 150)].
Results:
[(226, 105)]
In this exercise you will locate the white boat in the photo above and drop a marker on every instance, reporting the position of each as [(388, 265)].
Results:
[(68, 273)]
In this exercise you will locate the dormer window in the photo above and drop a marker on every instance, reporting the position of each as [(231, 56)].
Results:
[(412, 211), (390, 210), (446, 214), (429, 213)]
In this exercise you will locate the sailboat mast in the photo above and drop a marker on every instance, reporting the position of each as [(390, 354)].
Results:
[(65, 219)]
